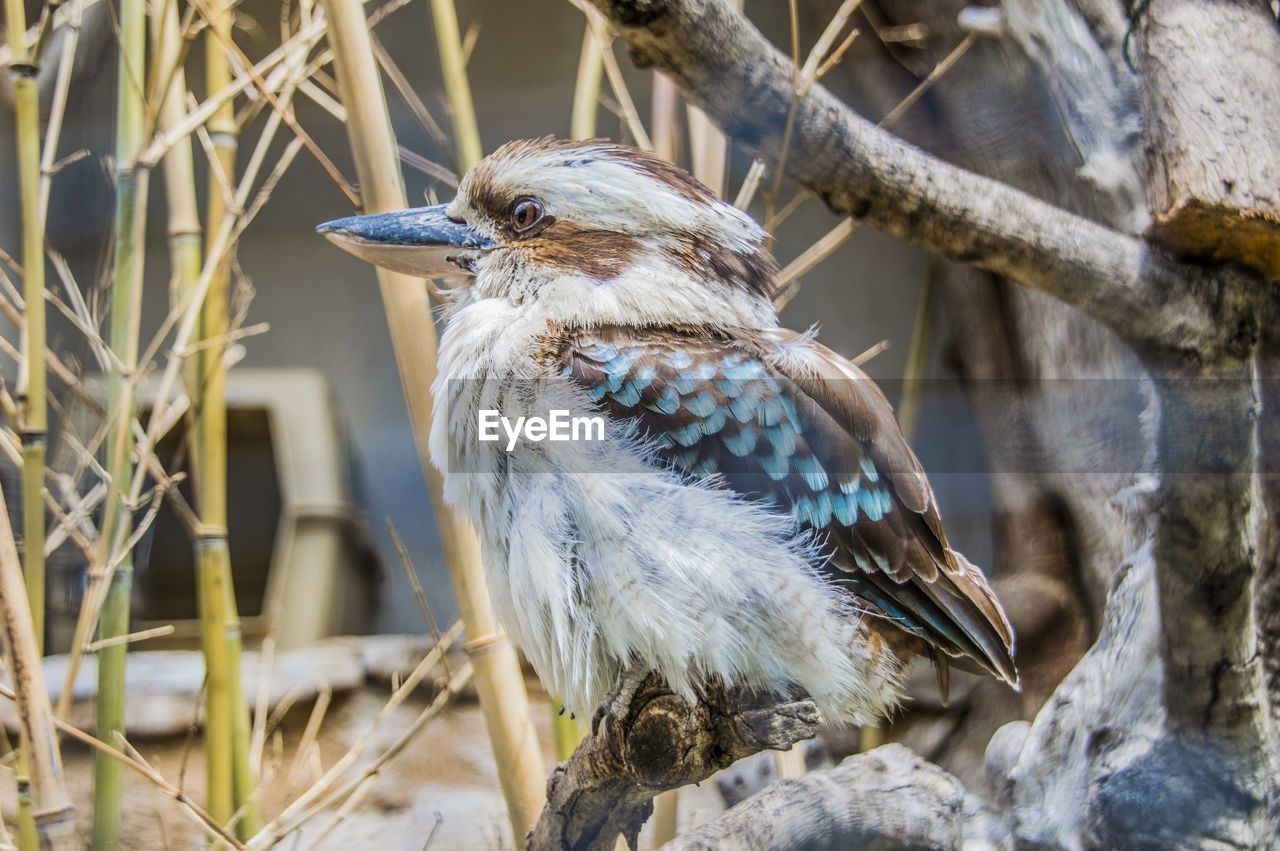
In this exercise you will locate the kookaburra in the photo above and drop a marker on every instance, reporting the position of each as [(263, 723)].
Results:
[(753, 514)]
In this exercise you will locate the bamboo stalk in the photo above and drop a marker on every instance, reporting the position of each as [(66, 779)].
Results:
[(497, 671), (708, 147), (789, 764), (58, 108), (53, 816), (179, 165), (218, 728), (665, 104), (586, 90), (466, 132), (913, 371), (229, 773), (126, 296), (618, 83), (666, 817), (182, 321), (107, 785), (32, 398), (31, 380), (566, 730)]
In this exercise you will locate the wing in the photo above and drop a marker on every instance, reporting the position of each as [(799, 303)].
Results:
[(778, 417)]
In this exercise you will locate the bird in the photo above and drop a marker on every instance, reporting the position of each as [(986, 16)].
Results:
[(752, 515)]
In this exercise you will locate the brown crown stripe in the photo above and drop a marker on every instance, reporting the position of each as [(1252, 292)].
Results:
[(707, 259), (599, 254)]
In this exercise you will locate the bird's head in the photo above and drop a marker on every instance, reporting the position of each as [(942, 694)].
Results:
[(590, 232)]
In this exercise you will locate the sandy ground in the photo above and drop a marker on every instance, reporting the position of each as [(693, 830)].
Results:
[(441, 792)]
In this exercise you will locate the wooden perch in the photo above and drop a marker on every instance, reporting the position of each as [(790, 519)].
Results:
[(1213, 194), (728, 68), (652, 742)]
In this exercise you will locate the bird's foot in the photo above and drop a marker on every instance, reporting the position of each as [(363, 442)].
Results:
[(618, 704)]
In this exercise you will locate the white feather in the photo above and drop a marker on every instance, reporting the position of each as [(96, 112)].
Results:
[(600, 559)]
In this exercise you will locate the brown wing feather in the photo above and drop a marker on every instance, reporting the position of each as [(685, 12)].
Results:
[(825, 414), (947, 577)]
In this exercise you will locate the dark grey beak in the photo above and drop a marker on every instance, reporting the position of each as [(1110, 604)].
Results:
[(423, 242)]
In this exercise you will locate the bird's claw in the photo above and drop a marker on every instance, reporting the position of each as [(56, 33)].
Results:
[(618, 704)]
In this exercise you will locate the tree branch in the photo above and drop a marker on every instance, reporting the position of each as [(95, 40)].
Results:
[(728, 68), (888, 798), (652, 742)]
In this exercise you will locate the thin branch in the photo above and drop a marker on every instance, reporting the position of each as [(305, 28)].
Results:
[(789, 277), (927, 83), (281, 109), (131, 638), (411, 100)]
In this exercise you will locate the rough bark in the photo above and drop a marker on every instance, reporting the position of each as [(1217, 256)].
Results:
[(1174, 755), (1104, 765), (1268, 602), (1136, 754), (1206, 539), (1210, 98), (1048, 107), (888, 798), (651, 741), (1116, 687)]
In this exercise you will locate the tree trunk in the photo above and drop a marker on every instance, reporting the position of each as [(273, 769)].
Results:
[(1049, 109), (1161, 736)]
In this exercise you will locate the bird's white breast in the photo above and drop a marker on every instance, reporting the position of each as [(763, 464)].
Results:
[(600, 558)]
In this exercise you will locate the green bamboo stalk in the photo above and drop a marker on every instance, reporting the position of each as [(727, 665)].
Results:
[(230, 773), (126, 296), (218, 725), (108, 783), (244, 783), (917, 350), (33, 423), (211, 543), (466, 131)]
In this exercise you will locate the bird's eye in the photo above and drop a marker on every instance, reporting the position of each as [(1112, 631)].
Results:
[(526, 213)]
